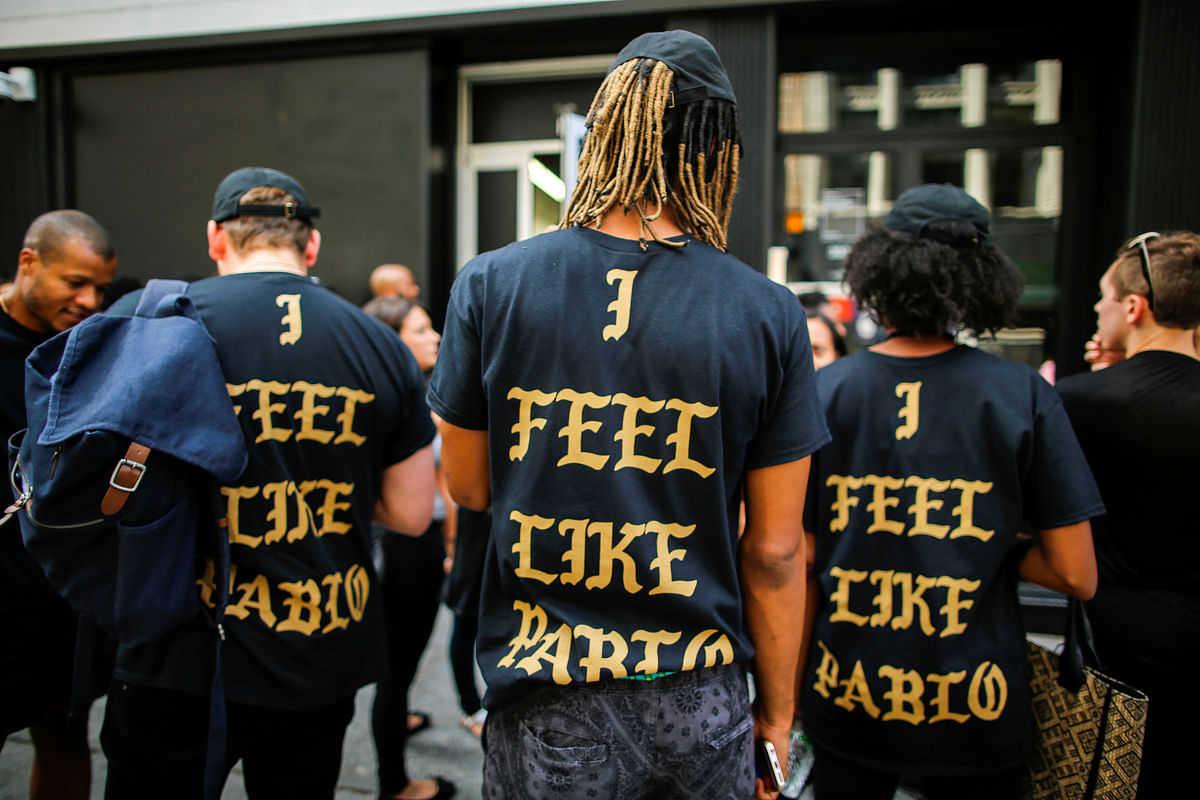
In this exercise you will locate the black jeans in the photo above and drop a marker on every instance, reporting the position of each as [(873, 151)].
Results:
[(156, 740)]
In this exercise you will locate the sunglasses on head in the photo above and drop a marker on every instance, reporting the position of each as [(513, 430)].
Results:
[(1139, 242)]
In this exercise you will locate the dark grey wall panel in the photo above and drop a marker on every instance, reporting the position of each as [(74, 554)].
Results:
[(149, 148), (25, 164), (1165, 174)]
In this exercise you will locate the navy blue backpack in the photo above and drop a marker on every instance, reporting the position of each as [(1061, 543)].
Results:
[(116, 478), (130, 429)]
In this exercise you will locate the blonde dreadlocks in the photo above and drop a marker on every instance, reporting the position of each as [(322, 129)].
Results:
[(624, 163)]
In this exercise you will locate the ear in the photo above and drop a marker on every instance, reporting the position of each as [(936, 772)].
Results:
[(312, 247), (28, 262), (1137, 309), (218, 244)]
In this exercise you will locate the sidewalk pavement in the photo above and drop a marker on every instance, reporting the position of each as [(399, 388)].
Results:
[(445, 748)]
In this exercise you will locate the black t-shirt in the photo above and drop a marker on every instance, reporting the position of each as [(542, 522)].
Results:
[(22, 583), (1139, 424), (626, 393), (327, 398), (917, 658)]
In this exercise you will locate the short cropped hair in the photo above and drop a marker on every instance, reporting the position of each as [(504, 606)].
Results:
[(49, 233), (251, 232), (1174, 271), (941, 282)]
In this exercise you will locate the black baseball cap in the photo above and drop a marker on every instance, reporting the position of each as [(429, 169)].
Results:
[(699, 73), (240, 181), (936, 202)]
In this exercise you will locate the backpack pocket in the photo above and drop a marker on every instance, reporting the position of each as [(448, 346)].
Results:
[(155, 588)]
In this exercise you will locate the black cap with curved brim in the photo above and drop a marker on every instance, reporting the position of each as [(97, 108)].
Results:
[(936, 202), (240, 181), (699, 73)]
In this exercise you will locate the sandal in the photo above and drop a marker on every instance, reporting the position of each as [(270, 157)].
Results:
[(445, 790), (474, 722), (423, 721)]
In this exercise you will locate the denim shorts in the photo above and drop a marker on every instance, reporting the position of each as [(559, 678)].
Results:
[(684, 735)]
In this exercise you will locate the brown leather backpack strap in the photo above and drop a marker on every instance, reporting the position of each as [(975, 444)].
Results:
[(126, 478)]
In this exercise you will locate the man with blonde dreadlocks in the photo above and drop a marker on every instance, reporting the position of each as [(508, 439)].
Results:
[(614, 390)]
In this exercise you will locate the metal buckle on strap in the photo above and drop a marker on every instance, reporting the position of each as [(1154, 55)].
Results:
[(140, 469), (26, 492), (122, 484)]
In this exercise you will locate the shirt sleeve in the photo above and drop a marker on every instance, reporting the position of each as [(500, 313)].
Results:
[(794, 425), (415, 427), (1059, 487), (456, 393)]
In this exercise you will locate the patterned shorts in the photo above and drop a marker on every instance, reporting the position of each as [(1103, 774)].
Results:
[(685, 735)]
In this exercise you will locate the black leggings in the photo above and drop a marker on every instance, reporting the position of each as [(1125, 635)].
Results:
[(412, 583)]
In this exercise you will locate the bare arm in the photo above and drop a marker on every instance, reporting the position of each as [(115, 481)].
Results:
[(811, 600), (465, 465), (406, 496), (772, 568), (1063, 560), (450, 524)]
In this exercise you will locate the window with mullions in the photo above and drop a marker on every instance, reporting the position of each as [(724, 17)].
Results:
[(853, 140)]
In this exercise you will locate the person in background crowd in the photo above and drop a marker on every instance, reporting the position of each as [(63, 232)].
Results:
[(331, 406), (412, 574), (940, 452), (614, 434), (464, 583), (394, 280), (63, 271), (1138, 424), (828, 345)]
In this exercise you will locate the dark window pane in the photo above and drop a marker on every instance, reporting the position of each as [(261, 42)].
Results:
[(497, 209)]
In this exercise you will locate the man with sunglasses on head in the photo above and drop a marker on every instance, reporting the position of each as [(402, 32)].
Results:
[(1138, 424)]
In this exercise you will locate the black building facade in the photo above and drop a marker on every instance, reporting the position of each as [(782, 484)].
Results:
[(428, 139)]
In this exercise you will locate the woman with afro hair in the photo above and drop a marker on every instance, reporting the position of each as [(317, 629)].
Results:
[(940, 454)]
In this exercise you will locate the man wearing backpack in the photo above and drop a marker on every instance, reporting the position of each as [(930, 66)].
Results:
[(331, 406), (63, 270)]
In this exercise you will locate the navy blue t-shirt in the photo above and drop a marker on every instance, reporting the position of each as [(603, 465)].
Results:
[(626, 393), (917, 657), (327, 397)]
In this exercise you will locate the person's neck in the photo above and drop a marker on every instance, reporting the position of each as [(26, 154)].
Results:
[(263, 259), (631, 225), (908, 345), (12, 305), (1155, 337)]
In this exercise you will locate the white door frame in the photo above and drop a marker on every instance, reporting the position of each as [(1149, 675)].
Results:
[(504, 156)]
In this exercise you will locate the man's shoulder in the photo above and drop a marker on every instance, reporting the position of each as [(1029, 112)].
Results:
[(1082, 384)]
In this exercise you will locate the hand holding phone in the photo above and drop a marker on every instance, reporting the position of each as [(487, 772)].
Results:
[(767, 765)]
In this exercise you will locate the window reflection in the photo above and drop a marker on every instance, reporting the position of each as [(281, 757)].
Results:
[(967, 95), (829, 194)]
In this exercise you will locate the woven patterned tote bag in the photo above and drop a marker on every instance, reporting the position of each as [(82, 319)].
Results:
[(1089, 726)]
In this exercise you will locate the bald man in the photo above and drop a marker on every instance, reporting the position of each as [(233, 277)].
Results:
[(63, 270), (394, 280)]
